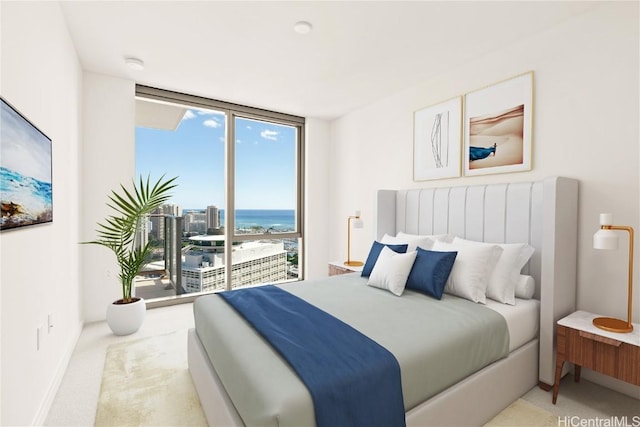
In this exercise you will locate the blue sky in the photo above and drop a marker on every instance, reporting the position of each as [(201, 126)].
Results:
[(265, 161)]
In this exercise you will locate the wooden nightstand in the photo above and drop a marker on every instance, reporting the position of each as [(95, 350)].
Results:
[(581, 343), (337, 267)]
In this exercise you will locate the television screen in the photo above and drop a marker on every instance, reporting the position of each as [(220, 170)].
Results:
[(26, 196)]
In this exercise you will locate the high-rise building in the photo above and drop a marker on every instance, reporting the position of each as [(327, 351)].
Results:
[(157, 218), (142, 235), (198, 226), (195, 222), (171, 209), (213, 217), (186, 221)]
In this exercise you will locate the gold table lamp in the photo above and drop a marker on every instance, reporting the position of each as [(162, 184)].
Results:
[(607, 239), (357, 223)]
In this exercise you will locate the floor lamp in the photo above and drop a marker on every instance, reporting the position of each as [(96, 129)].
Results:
[(357, 223), (606, 238)]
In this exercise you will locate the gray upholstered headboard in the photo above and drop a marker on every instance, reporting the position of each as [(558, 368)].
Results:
[(543, 214)]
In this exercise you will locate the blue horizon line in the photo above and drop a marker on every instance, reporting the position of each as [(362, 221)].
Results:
[(239, 209)]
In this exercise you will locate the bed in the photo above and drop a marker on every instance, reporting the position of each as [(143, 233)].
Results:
[(542, 214)]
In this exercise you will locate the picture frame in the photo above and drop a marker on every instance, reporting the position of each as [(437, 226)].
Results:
[(437, 132), (26, 196), (498, 127)]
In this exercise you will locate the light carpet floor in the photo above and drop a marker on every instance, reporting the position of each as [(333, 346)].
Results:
[(146, 382), (522, 413)]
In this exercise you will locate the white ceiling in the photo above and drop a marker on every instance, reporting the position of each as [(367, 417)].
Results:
[(248, 53)]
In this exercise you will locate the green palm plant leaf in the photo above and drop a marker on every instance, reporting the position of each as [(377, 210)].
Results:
[(119, 230)]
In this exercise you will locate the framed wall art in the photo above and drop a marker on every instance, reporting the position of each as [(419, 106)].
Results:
[(26, 195), (436, 141), (497, 127)]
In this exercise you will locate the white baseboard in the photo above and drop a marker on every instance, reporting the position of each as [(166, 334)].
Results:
[(43, 411)]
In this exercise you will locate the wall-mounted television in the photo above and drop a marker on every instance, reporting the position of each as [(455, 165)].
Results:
[(26, 196)]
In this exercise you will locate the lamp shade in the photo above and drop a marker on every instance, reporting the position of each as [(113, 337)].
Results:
[(606, 219), (605, 239), (357, 221)]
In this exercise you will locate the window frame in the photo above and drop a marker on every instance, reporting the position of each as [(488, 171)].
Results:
[(232, 112)]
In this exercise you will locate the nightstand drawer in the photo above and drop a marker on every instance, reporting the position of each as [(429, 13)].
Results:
[(598, 338), (605, 355)]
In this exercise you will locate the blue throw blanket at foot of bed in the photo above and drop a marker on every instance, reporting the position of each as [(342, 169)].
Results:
[(353, 381)]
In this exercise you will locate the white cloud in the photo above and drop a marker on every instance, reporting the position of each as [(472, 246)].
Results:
[(269, 134), (188, 115), (211, 123)]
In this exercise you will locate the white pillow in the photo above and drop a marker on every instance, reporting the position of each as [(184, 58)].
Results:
[(412, 242), (442, 237), (471, 269), (504, 277), (392, 270), (526, 287)]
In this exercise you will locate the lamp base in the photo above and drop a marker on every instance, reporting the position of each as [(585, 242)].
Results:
[(354, 263), (612, 325)]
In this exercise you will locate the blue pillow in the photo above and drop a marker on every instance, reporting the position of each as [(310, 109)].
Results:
[(375, 252), (430, 272)]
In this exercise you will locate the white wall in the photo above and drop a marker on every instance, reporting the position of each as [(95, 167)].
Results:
[(317, 201), (108, 160), (40, 265), (586, 109)]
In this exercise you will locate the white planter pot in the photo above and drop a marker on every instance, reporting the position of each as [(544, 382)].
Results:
[(125, 319)]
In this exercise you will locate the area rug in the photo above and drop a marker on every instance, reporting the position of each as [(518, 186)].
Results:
[(146, 382), (522, 413)]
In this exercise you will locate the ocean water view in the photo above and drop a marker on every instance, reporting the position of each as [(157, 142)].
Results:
[(277, 219)]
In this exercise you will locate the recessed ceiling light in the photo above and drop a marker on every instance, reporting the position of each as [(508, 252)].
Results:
[(134, 63), (302, 27)]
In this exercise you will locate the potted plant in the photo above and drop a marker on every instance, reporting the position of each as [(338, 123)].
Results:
[(120, 232)]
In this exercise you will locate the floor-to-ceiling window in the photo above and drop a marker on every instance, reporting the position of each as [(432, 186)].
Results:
[(235, 218)]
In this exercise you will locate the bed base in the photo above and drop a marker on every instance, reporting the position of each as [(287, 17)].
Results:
[(214, 399), (507, 379)]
